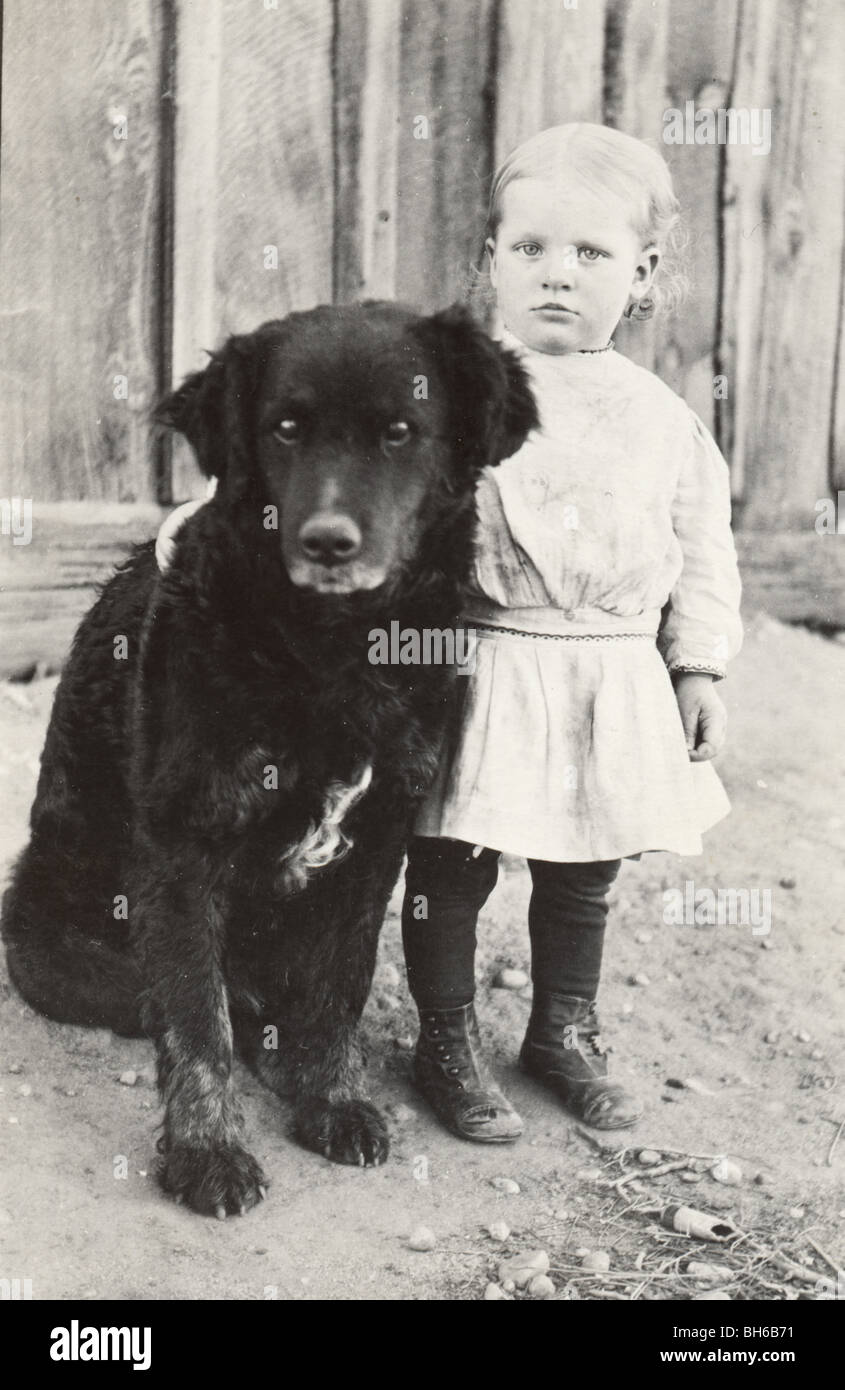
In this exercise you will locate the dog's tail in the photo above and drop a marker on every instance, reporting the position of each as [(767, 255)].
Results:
[(65, 973)]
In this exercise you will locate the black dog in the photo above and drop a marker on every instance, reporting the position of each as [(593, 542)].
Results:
[(224, 768)]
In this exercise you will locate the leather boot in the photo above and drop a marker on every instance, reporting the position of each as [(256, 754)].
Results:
[(450, 1073), (563, 1050)]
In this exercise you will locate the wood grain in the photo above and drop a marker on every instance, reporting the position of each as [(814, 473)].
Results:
[(367, 134), (81, 214), (47, 586), (444, 179), (254, 170), (784, 232), (550, 68), (636, 35), (799, 578)]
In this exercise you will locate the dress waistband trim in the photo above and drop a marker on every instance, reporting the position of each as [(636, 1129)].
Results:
[(489, 630), (554, 623)]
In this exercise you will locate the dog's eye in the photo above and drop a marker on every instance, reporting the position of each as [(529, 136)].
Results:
[(397, 432), (287, 431)]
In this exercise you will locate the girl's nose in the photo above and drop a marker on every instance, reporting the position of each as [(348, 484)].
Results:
[(559, 277)]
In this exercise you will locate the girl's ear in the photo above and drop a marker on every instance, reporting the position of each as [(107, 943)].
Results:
[(645, 271), (490, 248), (490, 405), (211, 409), (640, 304)]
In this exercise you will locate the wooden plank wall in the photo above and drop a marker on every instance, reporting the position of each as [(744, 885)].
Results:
[(282, 153), (83, 283)]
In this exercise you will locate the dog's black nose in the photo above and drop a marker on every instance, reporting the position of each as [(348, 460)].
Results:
[(330, 539)]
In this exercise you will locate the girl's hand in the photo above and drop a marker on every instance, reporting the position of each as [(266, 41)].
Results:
[(703, 715)]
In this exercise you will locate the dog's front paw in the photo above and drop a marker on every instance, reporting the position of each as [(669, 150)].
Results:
[(214, 1181), (350, 1131)]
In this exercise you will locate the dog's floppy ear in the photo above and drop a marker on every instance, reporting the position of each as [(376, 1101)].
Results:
[(493, 410), (210, 409)]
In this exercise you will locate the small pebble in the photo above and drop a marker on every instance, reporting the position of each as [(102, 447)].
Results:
[(801, 1035), (13, 1120), (796, 1213), (495, 1293), (766, 944), (405, 1044), (389, 1002), (788, 881), (716, 1296), (128, 1078), (541, 1286), (421, 1238), (648, 1157), (772, 1036), (498, 1230), (687, 1175), (15, 1068), (627, 1008), (639, 979), (522, 1268), (582, 1251), (816, 1055), (598, 1261), (561, 1214), (508, 1286), (692, 1083), (505, 1185), (727, 1171), (710, 1274), (643, 937), (674, 1083), (588, 1174), (510, 979), (25, 1089)]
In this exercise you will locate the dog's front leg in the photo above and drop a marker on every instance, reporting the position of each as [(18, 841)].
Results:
[(181, 943), (333, 1114)]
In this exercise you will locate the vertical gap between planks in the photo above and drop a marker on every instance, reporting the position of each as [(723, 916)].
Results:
[(337, 152), (161, 444), (490, 103), (836, 444), (723, 409)]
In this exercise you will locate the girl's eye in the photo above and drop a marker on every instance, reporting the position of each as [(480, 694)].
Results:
[(398, 432), (590, 253), (287, 431), (530, 249)]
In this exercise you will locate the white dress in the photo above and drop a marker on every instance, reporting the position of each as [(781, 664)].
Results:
[(605, 560)]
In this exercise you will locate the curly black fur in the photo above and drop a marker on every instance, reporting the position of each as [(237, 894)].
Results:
[(154, 775)]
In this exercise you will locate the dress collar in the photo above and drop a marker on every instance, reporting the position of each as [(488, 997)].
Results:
[(509, 340)]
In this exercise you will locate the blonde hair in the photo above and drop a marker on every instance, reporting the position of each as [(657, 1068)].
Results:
[(608, 160)]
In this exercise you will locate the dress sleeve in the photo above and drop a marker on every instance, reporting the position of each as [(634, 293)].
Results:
[(701, 628)]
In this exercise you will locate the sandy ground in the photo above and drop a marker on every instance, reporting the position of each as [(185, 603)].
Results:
[(754, 1021)]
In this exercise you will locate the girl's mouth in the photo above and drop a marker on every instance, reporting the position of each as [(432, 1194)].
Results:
[(553, 309)]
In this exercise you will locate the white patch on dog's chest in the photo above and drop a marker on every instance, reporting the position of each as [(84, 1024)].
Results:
[(324, 843)]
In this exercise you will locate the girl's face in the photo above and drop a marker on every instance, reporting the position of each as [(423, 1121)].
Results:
[(565, 263)]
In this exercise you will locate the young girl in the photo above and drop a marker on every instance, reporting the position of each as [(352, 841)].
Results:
[(606, 608)]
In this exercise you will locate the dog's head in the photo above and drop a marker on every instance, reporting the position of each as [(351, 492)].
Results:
[(349, 422)]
